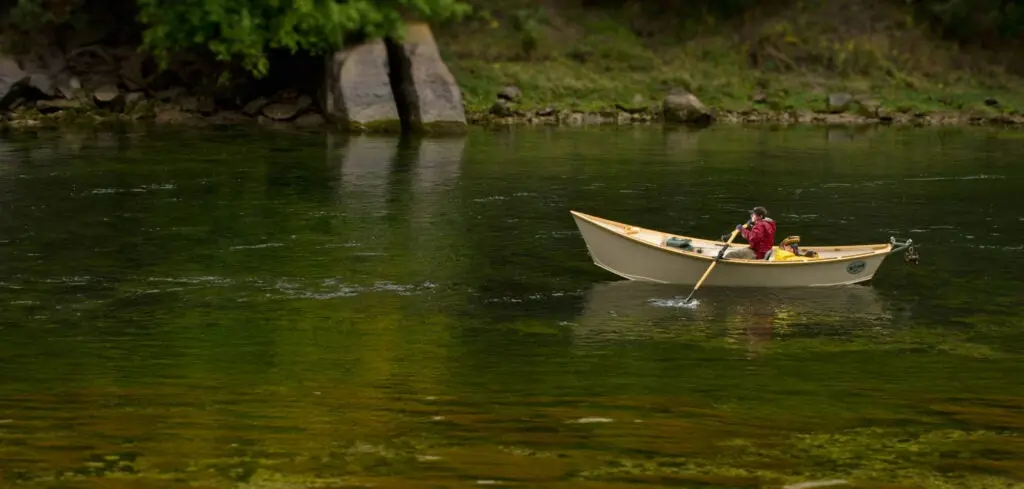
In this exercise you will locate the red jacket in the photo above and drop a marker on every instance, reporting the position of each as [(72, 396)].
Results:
[(761, 237)]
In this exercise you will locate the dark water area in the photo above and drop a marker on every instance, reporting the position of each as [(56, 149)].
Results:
[(274, 309)]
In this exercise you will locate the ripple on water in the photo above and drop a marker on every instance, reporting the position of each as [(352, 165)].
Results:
[(969, 177), (996, 247), (350, 244), (246, 288), (491, 198), (333, 288), (557, 234), (677, 303), (257, 246), (532, 297), (143, 188), (193, 280)]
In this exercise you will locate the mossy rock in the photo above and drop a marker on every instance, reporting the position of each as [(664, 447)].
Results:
[(383, 126), (441, 128)]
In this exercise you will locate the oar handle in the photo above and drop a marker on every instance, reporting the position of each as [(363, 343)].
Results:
[(735, 232), (713, 263)]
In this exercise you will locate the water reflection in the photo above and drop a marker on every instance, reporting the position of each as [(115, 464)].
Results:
[(372, 167), (622, 311), (438, 163), (365, 163)]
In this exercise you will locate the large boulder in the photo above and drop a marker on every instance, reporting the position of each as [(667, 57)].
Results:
[(357, 91), (287, 110), (426, 91), (13, 82), (48, 69), (684, 107)]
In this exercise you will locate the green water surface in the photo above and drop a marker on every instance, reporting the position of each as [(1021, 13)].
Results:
[(216, 308)]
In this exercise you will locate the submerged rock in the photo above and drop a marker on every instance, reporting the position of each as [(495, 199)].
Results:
[(428, 96), (358, 91)]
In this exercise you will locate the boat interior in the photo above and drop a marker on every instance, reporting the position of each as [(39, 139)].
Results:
[(710, 248)]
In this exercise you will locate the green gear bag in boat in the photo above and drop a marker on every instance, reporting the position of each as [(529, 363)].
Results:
[(683, 244)]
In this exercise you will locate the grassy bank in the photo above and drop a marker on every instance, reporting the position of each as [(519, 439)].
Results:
[(574, 62), (785, 60)]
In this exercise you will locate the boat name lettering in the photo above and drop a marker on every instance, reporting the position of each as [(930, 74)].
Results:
[(855, 267)]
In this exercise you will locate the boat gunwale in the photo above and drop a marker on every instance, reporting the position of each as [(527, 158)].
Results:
[(877, 249)]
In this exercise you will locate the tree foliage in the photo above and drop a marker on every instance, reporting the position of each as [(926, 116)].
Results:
[(985, 21), (243, 31), (969, 21)]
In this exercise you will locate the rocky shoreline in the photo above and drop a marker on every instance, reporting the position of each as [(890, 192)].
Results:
[(743, 117), (379, 86), (185, 112)]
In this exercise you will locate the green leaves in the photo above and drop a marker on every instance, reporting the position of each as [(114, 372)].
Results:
[(242, 31)]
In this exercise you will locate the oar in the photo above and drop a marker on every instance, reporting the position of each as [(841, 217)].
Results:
[(713, 263)]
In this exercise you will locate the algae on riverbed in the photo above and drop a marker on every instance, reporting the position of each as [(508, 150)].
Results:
[(230, 307), (867, 457)]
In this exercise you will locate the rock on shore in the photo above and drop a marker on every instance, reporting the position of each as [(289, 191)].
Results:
[(681, 106), (13, 82), (381, 85), (428, 95), (358, 93)]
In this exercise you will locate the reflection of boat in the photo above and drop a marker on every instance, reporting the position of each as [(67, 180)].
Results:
[(632, 310), (641, 254)]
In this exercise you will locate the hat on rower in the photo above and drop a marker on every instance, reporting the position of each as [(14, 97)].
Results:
[(759, 212)]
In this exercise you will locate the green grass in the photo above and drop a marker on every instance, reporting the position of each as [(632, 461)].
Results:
[(589, 61)]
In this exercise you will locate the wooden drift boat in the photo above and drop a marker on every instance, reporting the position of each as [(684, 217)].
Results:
[(645, 255)]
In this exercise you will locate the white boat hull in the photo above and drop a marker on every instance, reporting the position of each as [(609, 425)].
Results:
[(637, 254)]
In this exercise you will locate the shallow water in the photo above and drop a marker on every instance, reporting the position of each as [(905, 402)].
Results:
[(233, 308)]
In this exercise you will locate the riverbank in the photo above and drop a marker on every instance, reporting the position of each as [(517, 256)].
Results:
[(169, 113), (818, 62), (841, 62)]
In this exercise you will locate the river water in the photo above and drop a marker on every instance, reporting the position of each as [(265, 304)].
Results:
[(272, 309)]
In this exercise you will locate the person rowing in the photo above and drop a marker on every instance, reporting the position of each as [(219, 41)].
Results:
[(759, 233)]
